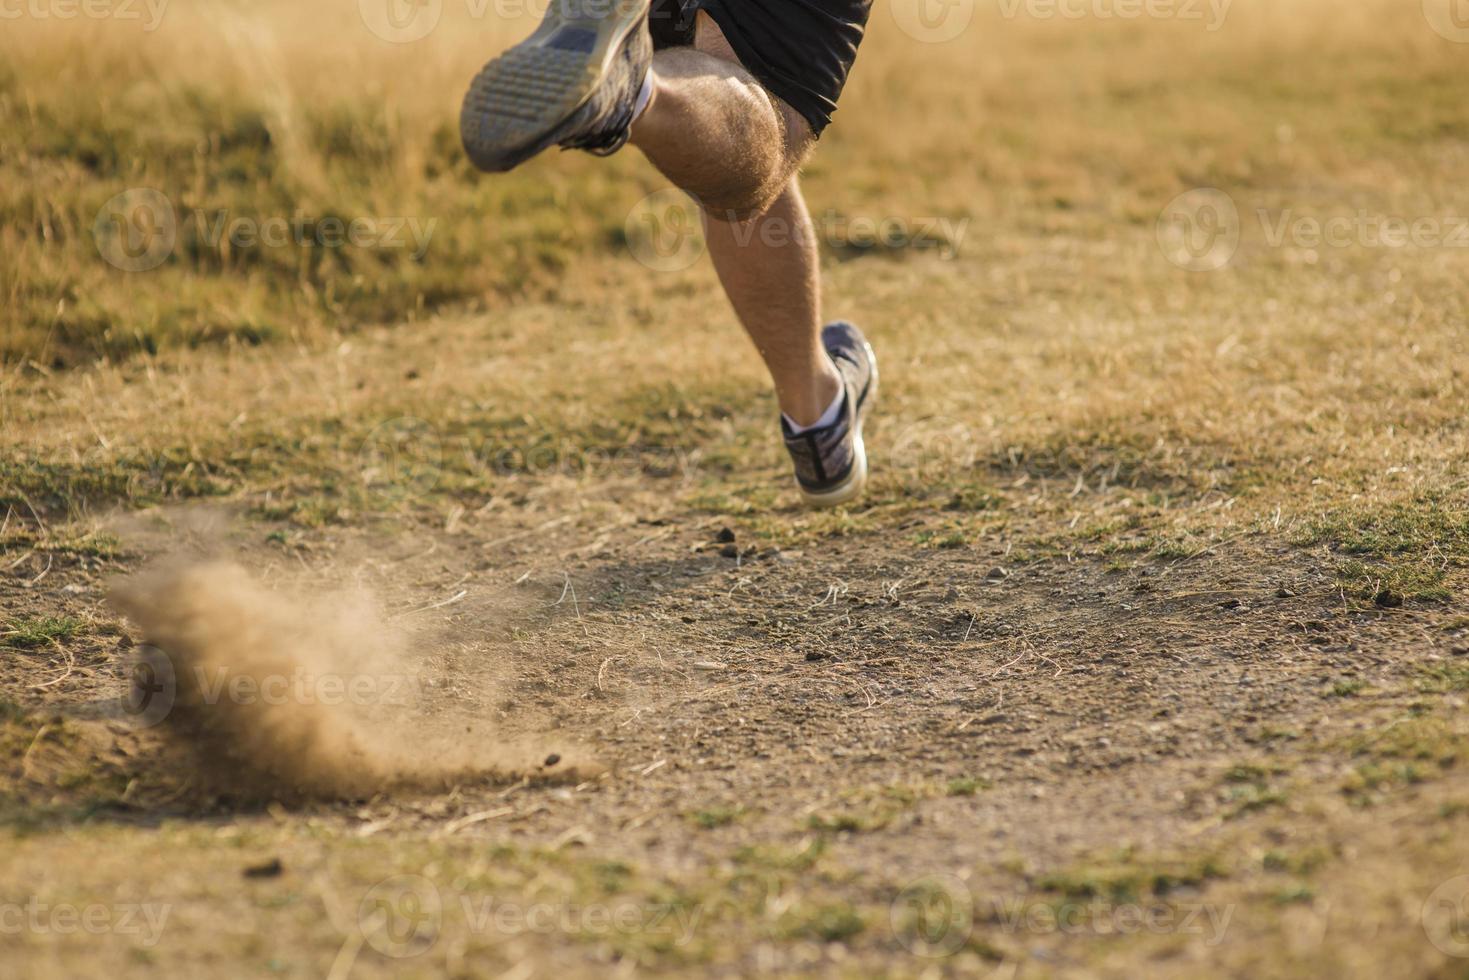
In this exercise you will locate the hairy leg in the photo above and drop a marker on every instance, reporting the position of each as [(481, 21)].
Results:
[(714, 131), (768, 265)]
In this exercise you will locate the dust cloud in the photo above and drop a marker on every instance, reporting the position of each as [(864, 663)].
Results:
[(270, 695)]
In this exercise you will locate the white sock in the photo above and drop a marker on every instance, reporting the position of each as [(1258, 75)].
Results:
[(645, 95), (832, 413)]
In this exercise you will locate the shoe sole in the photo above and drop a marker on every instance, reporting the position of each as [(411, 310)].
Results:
[(518, 100), (856, 482)]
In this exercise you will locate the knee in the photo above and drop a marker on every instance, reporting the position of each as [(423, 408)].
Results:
[(758, 186), (740, 204)]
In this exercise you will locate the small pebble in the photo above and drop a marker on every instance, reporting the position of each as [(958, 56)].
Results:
[(270, 869), (1388, 599)]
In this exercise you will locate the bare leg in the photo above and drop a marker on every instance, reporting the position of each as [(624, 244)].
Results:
[(716, 133), (769, 269)]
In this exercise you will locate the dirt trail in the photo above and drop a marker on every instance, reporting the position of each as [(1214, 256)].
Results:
[(861, 716)]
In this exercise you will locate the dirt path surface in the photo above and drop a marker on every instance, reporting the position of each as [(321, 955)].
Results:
[(846, 759), (1145, 653)]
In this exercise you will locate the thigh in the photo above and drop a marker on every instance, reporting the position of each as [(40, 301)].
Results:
[(709, 38), (801, 50)]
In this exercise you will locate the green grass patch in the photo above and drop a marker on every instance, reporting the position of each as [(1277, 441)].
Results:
[(1299, 862), (1296, 894), (1413, 738), (26, 634), (1444, 678), (779, 858), (1131, 877), (715, 817), (1346, 688), (826, 922), (1397, 551), (1248, 789), (966, 786)]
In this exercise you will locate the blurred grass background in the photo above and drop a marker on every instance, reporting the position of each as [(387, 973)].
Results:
[(273, 109)]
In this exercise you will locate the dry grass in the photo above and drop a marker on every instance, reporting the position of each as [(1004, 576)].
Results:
[(1055, 389)]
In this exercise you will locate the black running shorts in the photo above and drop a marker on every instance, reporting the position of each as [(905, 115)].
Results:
[(800, 50)]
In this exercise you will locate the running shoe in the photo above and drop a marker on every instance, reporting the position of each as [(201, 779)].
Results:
[(574, 83), (831, 462)]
